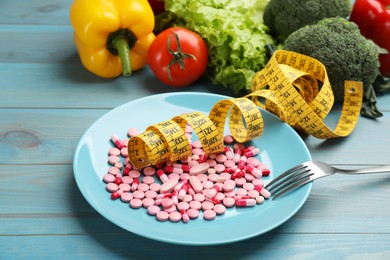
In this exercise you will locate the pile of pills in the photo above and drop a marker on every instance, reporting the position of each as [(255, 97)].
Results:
[(201, 185)]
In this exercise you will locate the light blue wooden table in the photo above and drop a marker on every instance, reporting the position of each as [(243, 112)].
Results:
[(48, 100)]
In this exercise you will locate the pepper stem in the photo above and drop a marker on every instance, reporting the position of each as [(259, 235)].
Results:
[(121, 45)]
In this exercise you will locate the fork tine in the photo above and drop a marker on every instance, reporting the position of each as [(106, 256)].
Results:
[(283, 175), (290, 180), (295, 185)]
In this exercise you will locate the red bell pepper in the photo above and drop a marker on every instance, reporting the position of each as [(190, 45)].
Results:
[(373, 19)]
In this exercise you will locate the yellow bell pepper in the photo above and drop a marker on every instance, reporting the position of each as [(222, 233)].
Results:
[(112, 36)]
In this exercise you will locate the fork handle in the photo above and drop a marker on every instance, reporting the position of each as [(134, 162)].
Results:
[(377, 169)]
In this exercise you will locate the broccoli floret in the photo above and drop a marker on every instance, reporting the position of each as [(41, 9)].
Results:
[(346, 54), (286, 16)]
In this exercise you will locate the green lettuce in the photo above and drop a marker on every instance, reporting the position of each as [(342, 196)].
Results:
[(234, 32)]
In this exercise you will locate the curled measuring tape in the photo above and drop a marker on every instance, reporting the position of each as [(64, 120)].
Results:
[(287, 86)]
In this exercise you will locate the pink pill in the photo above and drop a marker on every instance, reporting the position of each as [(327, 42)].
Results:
[(225, 175), (185, 176), (143, 187), (199, 169), (228, 139), (132, 132), (211, 162), (213, 177), (134, 174), (139, 194), (196, 184), (219, 209), (229, 202), (168, 186), (127, 179), (153, 210), (207, 205), (230, 193), (197, 144), (125, 187), (126, 197), (167, 202), (155, 187), (149, 171), (209, 214), (187, 198), (221, 158), (249, 177), (220, 196), (124, 152), (219, 168), (150, 194), (192, 163), (170, 209), (199, 197), (148, 180), (175, 216), (175, 176), (203, 177), (197, 151), (253, 194), (193, 213), (258, 182), (107, 178), (241, 192), (195, 205), (162, 216), (111, 187), (113, 159), (259, 199), (240, 181), (118, 165), (114, 151), (136, 203), (146, 202), (113, 170), (183, 205), (253, 161), (229, 163), (228, 185), (248, 186), (207, 184)]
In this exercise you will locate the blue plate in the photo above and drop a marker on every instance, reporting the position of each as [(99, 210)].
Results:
[(281, 148)]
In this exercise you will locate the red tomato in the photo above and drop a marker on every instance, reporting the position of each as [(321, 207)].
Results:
[(176, 64)]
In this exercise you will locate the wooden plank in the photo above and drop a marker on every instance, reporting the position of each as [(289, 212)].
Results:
[(126, 246), (35, 12), (44, 199)]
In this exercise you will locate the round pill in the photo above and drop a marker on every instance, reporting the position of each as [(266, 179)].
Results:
[(240, 181), (219, 168), (259, 199), (149, 171), (167, 202), (193, 213), (127, 179), (162, 216), (253, 194), (228, 139), (211, 162), (228, 202), (219, 209), (136, 203), (118, 165), (241, 192), (197, 151), (225, 175), (221, 158), (134, 174), (107, 178), (253, 161), (170, 209), (111, 187), (213, 177), (155, 187), (146, 202), (168, 185), (183, 205), (150, 194), (258, 182), (114, 151), (211, 171), (248, 186), (230, 193), (125, 187), (185, 176), (113, 170), (113, 159), (174, 176), (229, 163), (148, 179), (138, 194), (207, 205), (249, 177), (229, 185), (187, 198), (209, 214), (175, 216), (195, 205), (207, 184), (199, 169), (126, 197), (124, 152), (153, 210), (132, 132), (196, 144), (220, 196), (143, 187)]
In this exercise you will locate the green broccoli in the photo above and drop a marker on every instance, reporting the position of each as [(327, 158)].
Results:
[(346, 54), (286, 16)]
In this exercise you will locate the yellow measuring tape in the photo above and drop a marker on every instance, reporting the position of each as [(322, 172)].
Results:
[(287, 86)]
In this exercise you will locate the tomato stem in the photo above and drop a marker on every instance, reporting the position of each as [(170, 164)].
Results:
[(178, 55)]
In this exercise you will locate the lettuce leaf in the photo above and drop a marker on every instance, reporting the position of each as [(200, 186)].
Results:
[(234, 33)]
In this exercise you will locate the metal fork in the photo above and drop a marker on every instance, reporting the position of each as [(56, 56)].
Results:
[(310, 171)]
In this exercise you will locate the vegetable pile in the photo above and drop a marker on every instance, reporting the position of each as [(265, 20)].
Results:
[(234, 33)]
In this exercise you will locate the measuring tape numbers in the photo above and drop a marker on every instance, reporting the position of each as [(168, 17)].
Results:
[(288, 86)]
